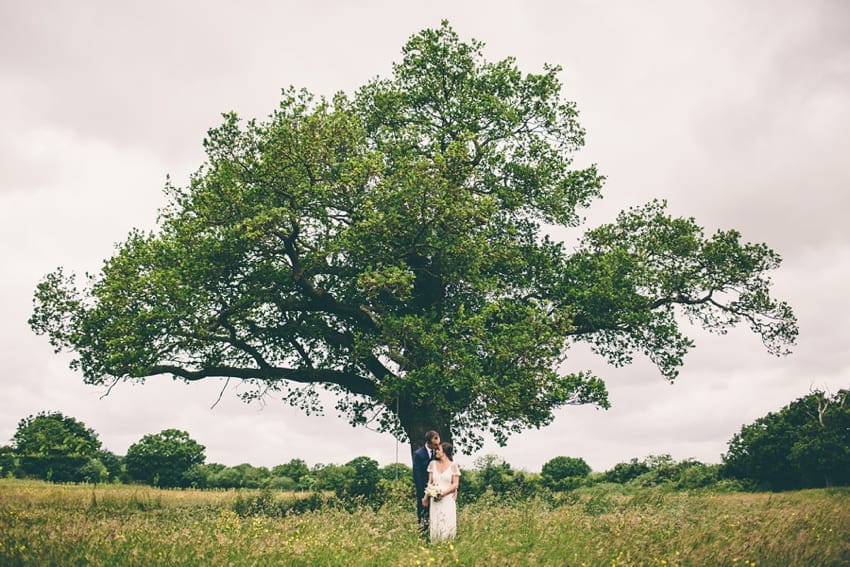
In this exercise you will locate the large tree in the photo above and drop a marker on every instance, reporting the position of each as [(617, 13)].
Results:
[(53, 446), (806, 444), (164, 459), (394, 247)]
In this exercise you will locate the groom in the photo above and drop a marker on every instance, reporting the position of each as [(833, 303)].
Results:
[(421, 457)]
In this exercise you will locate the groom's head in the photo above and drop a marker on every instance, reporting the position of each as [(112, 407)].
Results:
[(432, 439)]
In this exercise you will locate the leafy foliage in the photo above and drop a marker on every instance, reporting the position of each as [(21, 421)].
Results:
[(622, 473), (364, 479), (55, 447), (240, 476), (492, 476), (805, 444), (392, 248), (8, 461), (664, 471), (396, 471), (164, 459), (562, 473), (265, 503), (295, 469), (332, 477)]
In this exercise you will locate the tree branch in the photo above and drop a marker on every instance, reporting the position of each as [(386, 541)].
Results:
[(350, 381)]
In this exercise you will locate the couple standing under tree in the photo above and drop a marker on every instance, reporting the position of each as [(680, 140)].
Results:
[(436, 479)]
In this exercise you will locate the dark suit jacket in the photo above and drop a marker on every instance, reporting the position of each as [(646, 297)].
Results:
[(421, 458)]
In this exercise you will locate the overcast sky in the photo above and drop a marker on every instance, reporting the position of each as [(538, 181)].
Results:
[(737, 113)]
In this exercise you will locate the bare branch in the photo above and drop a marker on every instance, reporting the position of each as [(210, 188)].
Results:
[(220, 394)]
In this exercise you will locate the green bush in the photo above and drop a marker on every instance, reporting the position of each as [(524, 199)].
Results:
[(8, 462), (54, 447), (294, 469), (94, 472), (364, 479), (164, 459), (330, 477), (564, 473), (693, 475), (265, 503), (622, 473), (281, 483), (806, 444), (395, 491)]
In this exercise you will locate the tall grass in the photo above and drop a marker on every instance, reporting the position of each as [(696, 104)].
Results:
[(43, 524)]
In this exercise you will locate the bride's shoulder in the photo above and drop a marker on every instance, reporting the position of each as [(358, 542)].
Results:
[(455, 469)]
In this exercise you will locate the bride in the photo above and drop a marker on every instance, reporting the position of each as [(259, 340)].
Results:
[(443, 477)]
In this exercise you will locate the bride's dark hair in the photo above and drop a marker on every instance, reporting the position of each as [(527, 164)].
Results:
[(448, 450)]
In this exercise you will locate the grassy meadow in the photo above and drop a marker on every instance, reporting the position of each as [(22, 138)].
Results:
[(45, 524)]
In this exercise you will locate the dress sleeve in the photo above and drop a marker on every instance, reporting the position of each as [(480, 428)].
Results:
[(455, 470), (430, 467)]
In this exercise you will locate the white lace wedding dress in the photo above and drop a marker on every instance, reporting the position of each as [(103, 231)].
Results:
[(443, 512)]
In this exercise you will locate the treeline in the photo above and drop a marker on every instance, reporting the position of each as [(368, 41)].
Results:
[(804, 445)]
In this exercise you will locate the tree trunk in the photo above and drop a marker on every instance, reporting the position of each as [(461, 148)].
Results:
[(418, 421)]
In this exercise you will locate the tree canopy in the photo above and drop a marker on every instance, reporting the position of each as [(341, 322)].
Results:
[(806, 444), (558, 472), (393, 247), (53, 446), (164, 459)]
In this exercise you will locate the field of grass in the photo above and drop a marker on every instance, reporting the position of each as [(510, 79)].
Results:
[(44, 524)]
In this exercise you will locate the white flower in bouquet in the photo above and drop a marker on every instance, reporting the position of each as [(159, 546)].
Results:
[(433, 491)]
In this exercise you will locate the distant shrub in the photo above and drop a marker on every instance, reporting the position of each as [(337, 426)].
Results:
[(364, 480), (564, 473), (94, 472), (265, 503), (806, 444), (622, 473), (8, 462), (693, 475), (396, 471), (399, 491), (281, 483)]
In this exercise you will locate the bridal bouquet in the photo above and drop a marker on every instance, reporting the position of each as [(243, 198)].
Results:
[(433, 491)]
